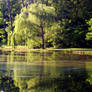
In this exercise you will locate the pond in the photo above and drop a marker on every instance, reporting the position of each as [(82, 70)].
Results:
[(52, 71)]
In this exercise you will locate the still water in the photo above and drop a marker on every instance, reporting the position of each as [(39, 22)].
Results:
[(53, 71)]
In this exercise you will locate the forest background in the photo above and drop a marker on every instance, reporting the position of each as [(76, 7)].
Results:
[(46, 23)]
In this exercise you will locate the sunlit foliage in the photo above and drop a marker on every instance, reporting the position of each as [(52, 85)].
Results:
[(89, 34), (35, 23)]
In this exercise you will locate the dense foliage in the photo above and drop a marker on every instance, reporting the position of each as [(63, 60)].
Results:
[(89, 34), (46, 23)]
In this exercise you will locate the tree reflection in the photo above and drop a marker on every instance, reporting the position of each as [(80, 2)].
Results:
[(69, 81), (44, 76), (7, 84)]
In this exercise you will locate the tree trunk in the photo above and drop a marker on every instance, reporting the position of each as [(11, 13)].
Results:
[(42, 36), (47, 2), (30, 2), (26, 3), (10, 17), (23, 3)]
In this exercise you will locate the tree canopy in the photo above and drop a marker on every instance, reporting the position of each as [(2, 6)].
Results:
[(46, 23), (35, 23)]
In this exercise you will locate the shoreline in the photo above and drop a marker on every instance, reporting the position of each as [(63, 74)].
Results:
[(81, 51)]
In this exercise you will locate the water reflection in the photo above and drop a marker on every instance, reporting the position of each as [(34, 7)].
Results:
[(67, 81), (44, 72), (37, 56), (7, 83), (59, 80)]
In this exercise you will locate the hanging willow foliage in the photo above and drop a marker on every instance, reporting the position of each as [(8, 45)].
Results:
[(34, 23)]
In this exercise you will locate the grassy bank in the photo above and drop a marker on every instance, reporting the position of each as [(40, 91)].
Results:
[(73, 49), (81, 51)]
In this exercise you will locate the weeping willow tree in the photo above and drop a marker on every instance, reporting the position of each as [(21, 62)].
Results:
[(34, 25)]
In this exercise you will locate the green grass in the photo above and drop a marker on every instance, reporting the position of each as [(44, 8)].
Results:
[(73, 49), (50, 49)]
